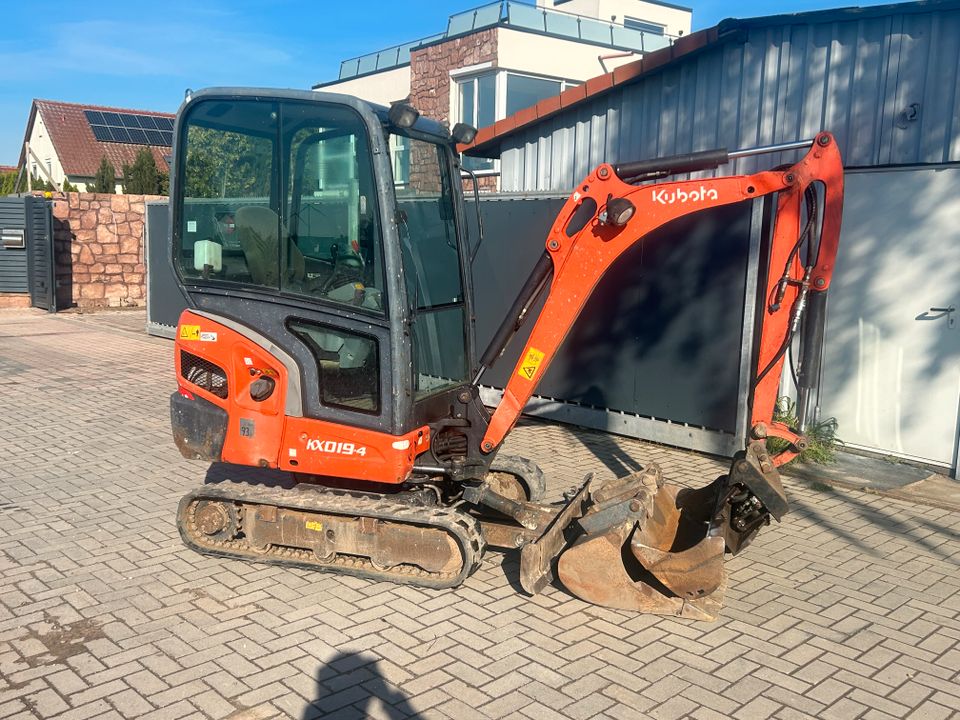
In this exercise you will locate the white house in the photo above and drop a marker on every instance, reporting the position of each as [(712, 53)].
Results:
[(67, 141)]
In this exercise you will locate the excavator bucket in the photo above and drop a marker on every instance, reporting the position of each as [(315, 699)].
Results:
[(640, 544)]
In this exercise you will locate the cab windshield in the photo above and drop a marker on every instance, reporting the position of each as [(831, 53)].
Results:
[(279, 195)]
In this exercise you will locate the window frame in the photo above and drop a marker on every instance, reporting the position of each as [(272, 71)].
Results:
[(632, 23), (472, 76), (501, 80), (280, 187)]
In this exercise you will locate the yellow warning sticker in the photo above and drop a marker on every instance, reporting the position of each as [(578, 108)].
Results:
[(314, 525), (189, 332), (531, 361)]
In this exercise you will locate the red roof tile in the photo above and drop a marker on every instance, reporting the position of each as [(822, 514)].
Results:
[(79, 151)]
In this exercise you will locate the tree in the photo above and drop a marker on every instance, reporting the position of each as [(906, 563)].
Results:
[(69, 186), (105, 181), (226, 164), (143, 177), (7, 182)]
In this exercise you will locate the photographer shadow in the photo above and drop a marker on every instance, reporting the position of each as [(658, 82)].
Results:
[(352, 685)]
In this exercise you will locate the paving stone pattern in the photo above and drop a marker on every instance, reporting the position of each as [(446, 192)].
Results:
[(848, 610)]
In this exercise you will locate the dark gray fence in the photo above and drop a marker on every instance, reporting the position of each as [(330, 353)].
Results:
[(165, 300), (26, 249), (662, 350)]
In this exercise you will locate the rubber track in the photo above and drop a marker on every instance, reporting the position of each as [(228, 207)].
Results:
[(464, 529)]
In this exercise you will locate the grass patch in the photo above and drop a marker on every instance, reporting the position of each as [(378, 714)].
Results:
[(822, 440)]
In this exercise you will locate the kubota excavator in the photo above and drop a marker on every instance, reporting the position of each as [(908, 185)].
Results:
[(320, 242)]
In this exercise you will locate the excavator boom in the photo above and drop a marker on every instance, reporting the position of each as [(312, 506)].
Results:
[(642, 544), (587, 238)]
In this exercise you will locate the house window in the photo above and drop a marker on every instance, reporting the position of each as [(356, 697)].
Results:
[(478, 107), (484, 99), (647, 27), (400, 159), (525, 90)]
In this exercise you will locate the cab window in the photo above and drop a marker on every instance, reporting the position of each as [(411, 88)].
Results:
[(280, 196)]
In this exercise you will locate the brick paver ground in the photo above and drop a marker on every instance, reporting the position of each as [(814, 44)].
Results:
[(850, 609)]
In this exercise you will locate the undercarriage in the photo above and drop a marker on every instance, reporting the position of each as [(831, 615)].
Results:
[(633, 543)]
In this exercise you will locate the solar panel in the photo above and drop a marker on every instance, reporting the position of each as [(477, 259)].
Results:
[(101, 133), (131, 128), (120, 134)]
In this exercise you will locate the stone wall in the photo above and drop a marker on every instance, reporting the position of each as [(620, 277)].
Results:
[(430, 79), (14, 300), (430, 70), (98, 241)]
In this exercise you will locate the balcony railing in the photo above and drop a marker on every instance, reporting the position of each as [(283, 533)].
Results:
[(522, 17)]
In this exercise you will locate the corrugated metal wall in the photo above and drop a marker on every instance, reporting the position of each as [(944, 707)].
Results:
[(862, 80)]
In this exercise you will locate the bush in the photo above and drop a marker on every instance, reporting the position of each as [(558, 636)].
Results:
[(7, 182), (143, 177), (822, 440), (105, 181)]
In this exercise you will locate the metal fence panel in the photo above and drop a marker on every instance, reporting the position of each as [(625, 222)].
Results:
[(662, 335), (38, 215), (165, 301), (13, 260)]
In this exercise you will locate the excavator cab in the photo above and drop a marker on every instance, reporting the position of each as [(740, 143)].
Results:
[(320, 242), (347, 252)]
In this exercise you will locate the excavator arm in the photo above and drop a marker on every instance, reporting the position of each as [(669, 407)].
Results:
[(605, 216), (637, 543)]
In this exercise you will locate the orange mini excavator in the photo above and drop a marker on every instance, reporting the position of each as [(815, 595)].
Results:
[(320, 242)]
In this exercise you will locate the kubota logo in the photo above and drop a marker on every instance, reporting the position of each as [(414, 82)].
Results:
[(669, 198)]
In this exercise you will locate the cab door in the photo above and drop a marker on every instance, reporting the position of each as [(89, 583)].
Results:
[(433, 275)]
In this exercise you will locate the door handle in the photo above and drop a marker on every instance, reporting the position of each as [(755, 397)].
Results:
[(948, 311)]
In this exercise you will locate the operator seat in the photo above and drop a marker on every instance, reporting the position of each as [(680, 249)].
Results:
[(256, 228)]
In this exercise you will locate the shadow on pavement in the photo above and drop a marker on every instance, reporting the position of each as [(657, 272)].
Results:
[(351, 685), (609, 452), (917, 530)]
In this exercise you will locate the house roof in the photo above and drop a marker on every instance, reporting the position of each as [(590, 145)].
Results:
[(79, 151), (7, 168), (489, 140)]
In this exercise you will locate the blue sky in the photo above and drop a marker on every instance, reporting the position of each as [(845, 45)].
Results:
[(106, 53)]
